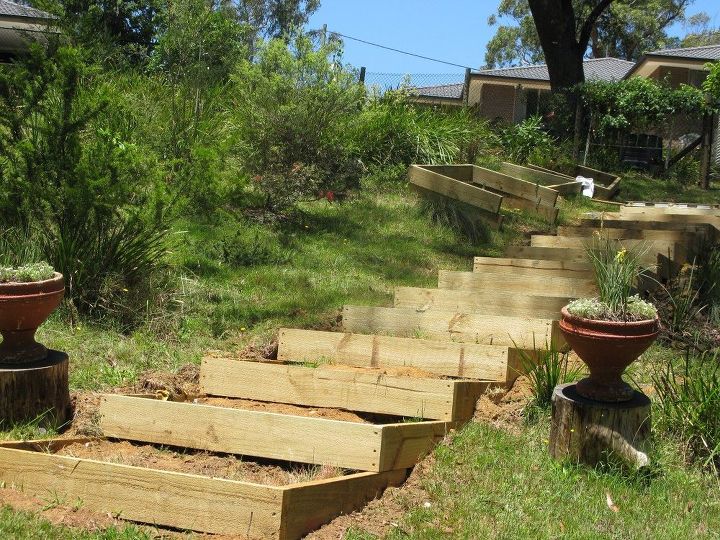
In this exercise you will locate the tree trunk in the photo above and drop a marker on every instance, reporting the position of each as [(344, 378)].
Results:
[(590, 431), (37, 392), (555, 24)]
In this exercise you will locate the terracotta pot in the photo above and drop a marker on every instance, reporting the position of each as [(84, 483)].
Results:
[(24, 307), (607, 347)]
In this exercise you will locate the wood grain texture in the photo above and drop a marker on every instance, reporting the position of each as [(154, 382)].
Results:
[(349, 445), (486, 301), (192, 502), (617, 230), (308, 506), (545, 178), (454, 189), (468, 360), (574, 255), (658, 218), (504, 183), (36, 391), (172, 499), (533, 267), (669, 210), (517, 284), (586, 431), (411, 397), (520, 332)]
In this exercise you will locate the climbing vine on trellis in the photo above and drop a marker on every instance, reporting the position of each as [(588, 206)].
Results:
[(639, 104)]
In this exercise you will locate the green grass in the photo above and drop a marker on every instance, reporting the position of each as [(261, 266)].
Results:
[(491, 484), (636, 186), (485, 484), (28, 526)]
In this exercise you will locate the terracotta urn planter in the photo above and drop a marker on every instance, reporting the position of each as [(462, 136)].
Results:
[(24, 307), (607, 347)]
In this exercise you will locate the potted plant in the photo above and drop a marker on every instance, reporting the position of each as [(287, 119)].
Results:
[(28, 295), (611, 331)]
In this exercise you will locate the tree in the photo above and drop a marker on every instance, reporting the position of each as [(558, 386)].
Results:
[(276, 18), (625, 29), (699, 32)]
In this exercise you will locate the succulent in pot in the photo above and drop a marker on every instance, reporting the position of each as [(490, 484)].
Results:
[(28, 295), (611, 331)]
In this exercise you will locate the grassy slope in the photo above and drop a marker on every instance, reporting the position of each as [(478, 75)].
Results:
[(355, 253), (491, 484)]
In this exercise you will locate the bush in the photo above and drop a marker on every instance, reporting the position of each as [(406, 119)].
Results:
[(689, 407), (527, 141), (391, 131), (73, 179), (291, 110)]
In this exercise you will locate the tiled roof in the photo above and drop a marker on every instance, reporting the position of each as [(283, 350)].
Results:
[(11, 9), (453, 91), (605, 69), (706, 52)]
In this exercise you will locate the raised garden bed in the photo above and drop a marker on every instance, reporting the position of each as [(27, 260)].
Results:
[(606, 184), (414, 394), (439, 183), (189, 491), (516, 332), (358, 445), (514, 192), (444, 358)]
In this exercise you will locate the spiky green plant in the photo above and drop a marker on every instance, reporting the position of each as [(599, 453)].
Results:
[(617, 269), (689, 406)]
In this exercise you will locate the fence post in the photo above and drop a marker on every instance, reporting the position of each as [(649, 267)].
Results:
[(706, 150), (362, 75), (466, 86)]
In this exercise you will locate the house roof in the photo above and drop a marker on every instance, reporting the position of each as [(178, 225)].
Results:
[(706, 52), (11, 9), (604, 69), (449, 91)]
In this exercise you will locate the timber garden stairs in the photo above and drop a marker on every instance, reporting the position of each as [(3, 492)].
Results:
[(413, 371)]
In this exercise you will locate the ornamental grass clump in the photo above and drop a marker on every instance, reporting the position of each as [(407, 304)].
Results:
[(617, 270)]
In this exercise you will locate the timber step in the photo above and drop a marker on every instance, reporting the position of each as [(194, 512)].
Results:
[(571, 255), (565, 287), (521, 332), (186, 501), (369, 390), (444, 358), (286, 437), (535, 267), (488, 302)]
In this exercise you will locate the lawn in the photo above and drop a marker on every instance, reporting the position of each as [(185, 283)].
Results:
[(236, 283)]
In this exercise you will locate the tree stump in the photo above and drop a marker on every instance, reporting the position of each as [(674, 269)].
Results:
[(590, 431), (35, 391)]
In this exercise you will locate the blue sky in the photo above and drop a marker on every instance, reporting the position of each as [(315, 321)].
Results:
[(451, 30)]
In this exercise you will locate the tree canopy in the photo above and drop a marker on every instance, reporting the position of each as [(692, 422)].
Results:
[(623, 29)]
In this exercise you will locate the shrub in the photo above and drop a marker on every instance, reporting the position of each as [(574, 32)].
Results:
[(689, 406), (391, 130), (72, 176), (291, 108), (527, 141)]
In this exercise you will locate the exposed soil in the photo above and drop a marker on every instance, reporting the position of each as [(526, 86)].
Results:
[(202, 463), (382, 515), (58, 513), (498, 407), (313, 412)]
